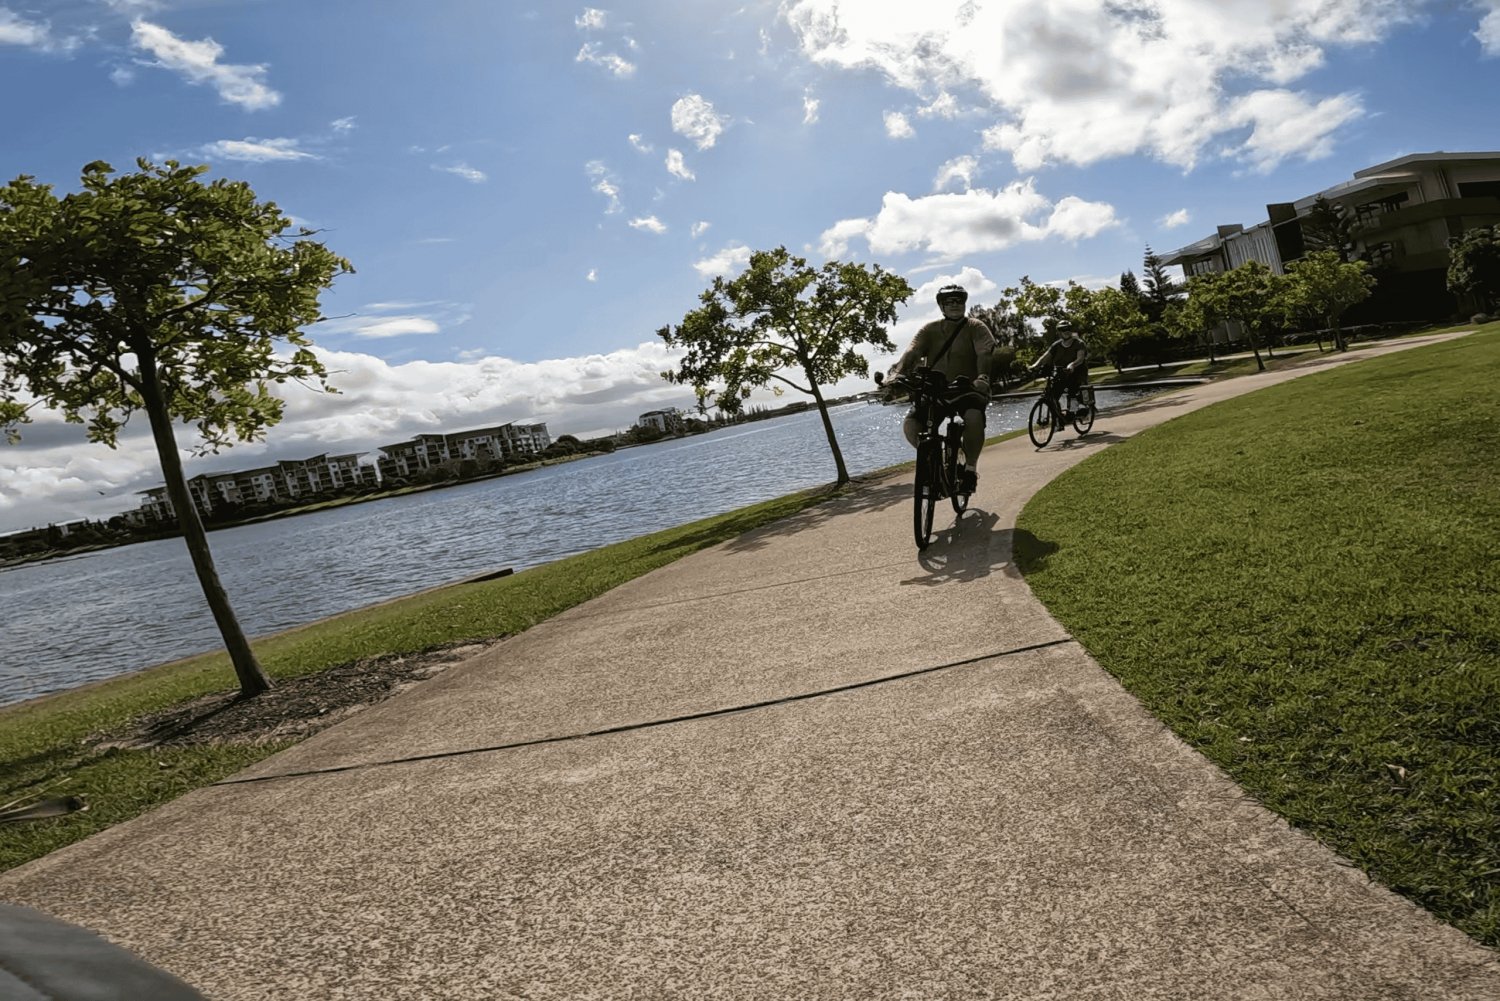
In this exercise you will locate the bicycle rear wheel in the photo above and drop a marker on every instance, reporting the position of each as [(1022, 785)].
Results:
[(1083, 411), (1040, 425), (924, 497)]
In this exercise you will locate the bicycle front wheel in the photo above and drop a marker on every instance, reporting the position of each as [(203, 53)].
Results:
[(958, 495), (1040, 425), (1083, 412), (924, 498)]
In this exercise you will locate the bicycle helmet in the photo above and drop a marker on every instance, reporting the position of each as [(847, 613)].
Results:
[(949, 293), (1065, 325)]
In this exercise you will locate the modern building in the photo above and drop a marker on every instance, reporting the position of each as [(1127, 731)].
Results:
[(503, 443), (1403, 213), (668, 420)]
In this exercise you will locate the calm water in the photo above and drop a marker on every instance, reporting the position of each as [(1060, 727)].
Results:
[(70, 621)]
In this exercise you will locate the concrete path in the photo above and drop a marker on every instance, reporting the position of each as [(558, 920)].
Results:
[(962, 813)]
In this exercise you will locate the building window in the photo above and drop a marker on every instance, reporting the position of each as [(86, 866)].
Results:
[(1479, 189)]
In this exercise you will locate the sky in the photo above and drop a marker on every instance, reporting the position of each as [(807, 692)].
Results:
[(528, 191)]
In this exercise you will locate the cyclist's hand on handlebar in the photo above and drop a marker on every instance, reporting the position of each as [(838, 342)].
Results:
[(982, 385)]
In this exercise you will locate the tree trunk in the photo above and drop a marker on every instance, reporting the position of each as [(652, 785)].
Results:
[(247, 669), (1338, 337), (1260, 366), (833, 442)]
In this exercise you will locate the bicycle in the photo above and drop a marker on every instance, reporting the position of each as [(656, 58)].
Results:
[(1047, 418), (939, 449)]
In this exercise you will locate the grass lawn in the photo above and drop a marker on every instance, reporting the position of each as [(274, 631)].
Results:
[(1304, 583), (44, 744)]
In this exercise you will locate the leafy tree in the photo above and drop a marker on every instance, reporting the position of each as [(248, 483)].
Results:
[(1186, 320), (1130, 286), (1322, 286), (1030, 301), (1329, 226), (1160, 289), (1007, 325), (153, 291), (1474, 265), (780, 315), (1248, 294), (1107, 318)]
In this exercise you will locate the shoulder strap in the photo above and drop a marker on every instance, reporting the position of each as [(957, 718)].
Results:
[(949, 342)]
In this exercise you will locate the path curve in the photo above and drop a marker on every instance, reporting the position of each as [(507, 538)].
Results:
[(810, 776)]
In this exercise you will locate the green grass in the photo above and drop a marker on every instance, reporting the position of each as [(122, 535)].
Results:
[(44, 744), (1304, 583)]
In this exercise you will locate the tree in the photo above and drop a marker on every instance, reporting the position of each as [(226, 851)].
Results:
[(1107, 318), (153, 291), (1030, 301), (1160, 289), (1329, 226), (1247, 294), (1185, 319), (1130, 286), (781, 314), (1322, 286), (1474, 265)]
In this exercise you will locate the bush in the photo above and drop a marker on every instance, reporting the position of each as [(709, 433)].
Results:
[(1481, 318)]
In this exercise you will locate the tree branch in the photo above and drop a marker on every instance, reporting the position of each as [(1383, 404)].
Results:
[(789, 382)]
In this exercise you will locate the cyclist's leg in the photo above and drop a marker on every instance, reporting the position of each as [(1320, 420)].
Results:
[(911, 427), (973, 435)]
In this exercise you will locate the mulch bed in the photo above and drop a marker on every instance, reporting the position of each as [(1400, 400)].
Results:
[(292, 710)]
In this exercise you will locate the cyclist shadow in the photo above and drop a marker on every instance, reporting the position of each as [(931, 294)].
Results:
[(968, 549)]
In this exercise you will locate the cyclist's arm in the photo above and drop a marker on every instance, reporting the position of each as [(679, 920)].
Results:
[(1082, 358), (984, 354)]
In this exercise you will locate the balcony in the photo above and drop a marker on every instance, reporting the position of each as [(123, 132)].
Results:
[(1475, 211)]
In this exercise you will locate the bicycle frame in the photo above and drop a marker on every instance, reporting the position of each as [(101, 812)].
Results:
[(934, 402)]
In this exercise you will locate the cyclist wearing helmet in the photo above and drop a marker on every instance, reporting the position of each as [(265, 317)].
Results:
[(957, 345), (1069, 355)]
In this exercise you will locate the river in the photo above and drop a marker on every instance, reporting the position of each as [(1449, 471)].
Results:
[(83, 618)]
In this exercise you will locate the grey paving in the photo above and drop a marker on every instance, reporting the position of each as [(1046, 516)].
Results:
[(997, 818)]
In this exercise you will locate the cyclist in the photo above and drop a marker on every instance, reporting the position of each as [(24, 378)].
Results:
[(1070, 356), (957, 345)]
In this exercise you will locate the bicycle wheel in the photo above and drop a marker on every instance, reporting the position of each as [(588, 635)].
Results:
[(956, 493), (1040, 425), (924, 497), (1083, 411)]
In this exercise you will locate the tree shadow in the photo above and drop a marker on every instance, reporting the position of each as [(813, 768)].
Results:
[(869, 493), (1028, 553), (1145, 406), (1092, 439)]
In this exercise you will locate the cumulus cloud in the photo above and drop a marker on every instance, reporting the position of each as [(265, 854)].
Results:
[(1094, 79), (1488, 32), (604, 184), (592, 52), (649, 223), (676, 167), (593, 275), (639, 143), (198, 63), (16, 30), (693, 117), (1285, 124), (591, 19), (463, 170), (54, 476), (731, 259), (254, 150), (960, 169), (809, 109), (897, 126), (950, 225), (1174, 219), (699, 228)]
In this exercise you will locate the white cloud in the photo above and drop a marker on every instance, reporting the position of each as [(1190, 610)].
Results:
[(604, 184), (945, 105), (649, 223), (16, 30), (379, 403), (1087, 80), (254, 150), (699, 228), (1284, 124), (343, 124), (676, 167), (198, 63), (694, 118), (1488, 31), (810, 109), (591, 19), (732, 258), (593, 275), (592, 53), (961, 168), (950, 225), (897, 126), (640, 144), (463, 170), (392, 326), (1174, 219)]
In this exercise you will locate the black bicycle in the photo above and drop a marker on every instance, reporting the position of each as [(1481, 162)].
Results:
[(1047, 417), (939, 448)]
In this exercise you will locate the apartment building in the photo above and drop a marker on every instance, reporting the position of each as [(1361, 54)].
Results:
[(668, 420), (504, 443), (1404, 212)]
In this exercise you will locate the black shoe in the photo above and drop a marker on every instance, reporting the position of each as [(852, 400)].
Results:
[(968, 481)]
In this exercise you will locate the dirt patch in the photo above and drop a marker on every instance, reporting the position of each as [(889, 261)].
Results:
[(294, 709)]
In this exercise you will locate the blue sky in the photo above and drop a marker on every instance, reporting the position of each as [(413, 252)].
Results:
[(529, 191)]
